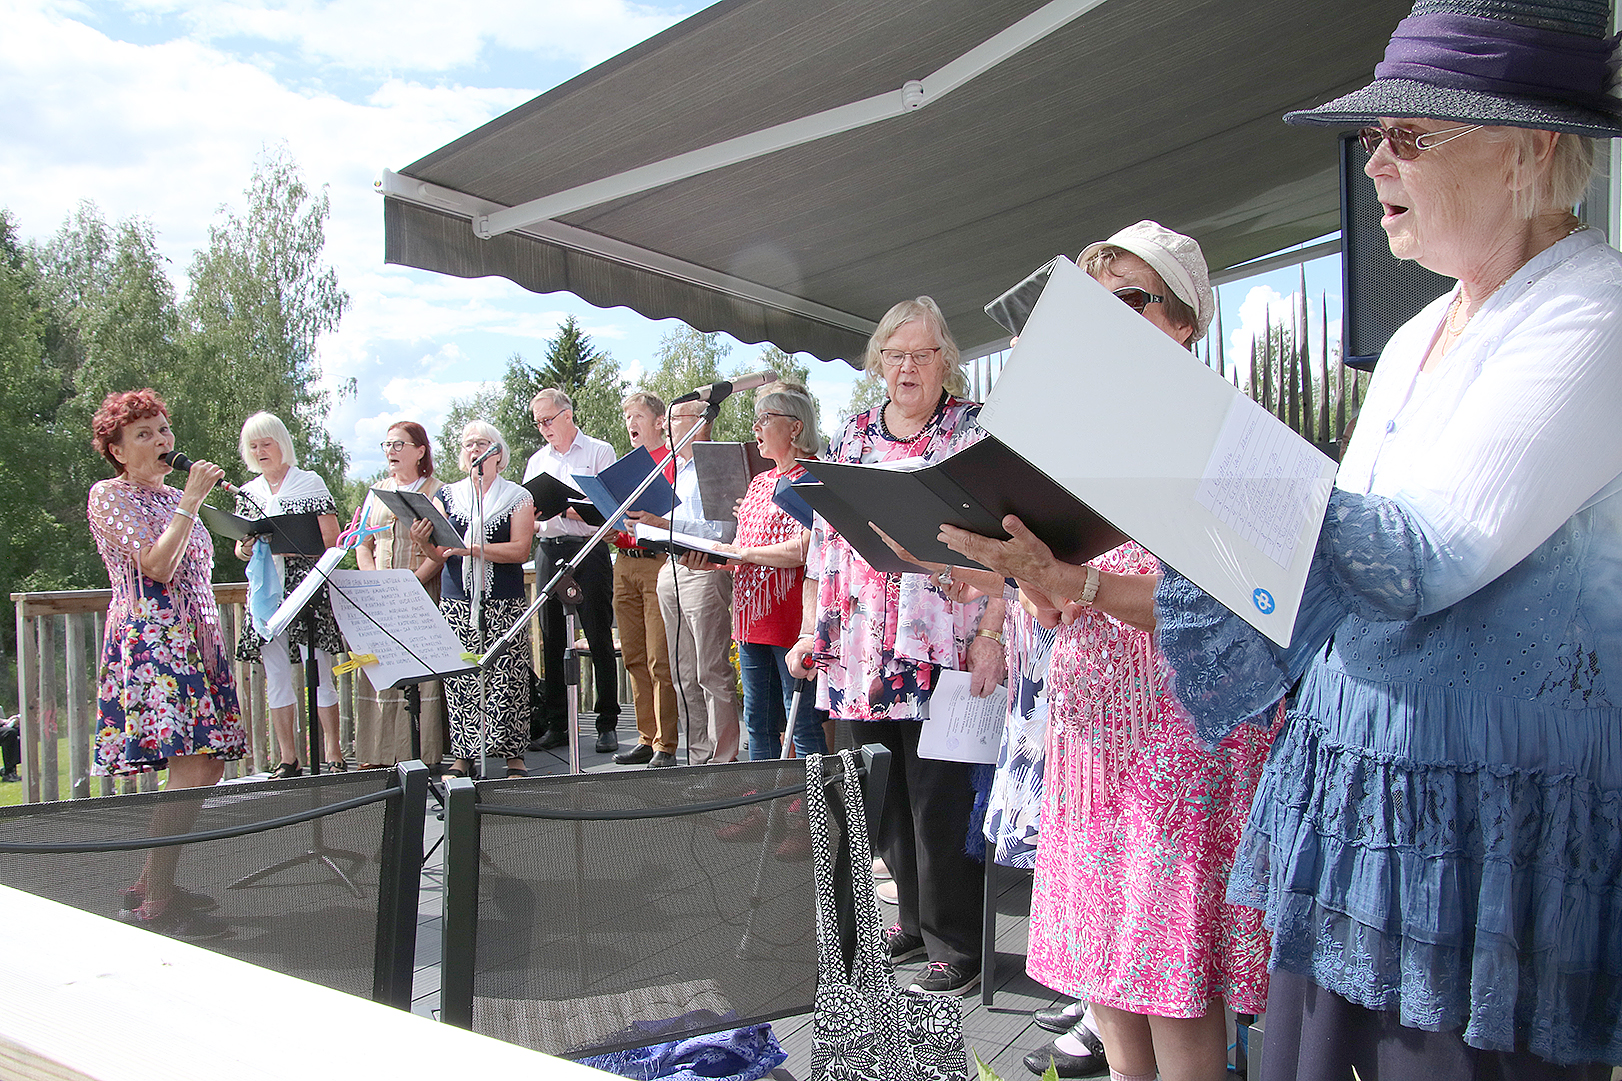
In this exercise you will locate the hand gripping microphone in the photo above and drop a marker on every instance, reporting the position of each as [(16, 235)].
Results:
[(181, 462), (716, 393)]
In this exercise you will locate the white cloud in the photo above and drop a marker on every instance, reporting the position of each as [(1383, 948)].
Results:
[(421, 35)]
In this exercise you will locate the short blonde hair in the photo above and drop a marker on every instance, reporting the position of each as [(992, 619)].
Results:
[(483, 429), (792, 399), (926, 310), (1564, 179), (260, 426)]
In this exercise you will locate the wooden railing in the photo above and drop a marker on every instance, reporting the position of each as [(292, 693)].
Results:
[(59, 639)]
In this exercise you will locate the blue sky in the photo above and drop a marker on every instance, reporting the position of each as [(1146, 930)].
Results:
[(158, 108)]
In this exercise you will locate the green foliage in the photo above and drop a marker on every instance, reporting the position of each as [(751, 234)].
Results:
[(689, 358), (92, 310), (448, 447), (260, 300), (866, 392), (587, 375)]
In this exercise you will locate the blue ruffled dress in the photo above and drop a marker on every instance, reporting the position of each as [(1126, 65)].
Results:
[(1438, 831)]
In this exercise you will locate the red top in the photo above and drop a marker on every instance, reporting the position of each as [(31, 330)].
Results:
[(766, 600), (623, 539)]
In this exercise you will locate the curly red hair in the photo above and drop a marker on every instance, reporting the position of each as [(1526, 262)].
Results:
[(119, 409)]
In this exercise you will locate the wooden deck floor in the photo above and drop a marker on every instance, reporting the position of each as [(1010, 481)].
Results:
[(1000, 1034)]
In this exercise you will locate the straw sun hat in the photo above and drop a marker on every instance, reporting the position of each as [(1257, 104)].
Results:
[(1543, 64)]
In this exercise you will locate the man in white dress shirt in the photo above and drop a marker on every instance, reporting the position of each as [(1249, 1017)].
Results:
[(697, 606), (567, 451)]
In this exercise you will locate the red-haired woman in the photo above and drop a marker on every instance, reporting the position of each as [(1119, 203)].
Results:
[(166, 698), (382, 727)]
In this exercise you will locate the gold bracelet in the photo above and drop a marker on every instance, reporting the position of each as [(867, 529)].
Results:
[(995, 636)]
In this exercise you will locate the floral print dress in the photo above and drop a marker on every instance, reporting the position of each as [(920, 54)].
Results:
[(165, 685), (884, 634), (1139, 825)]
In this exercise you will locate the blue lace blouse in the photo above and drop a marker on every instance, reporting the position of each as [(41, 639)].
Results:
[(1439, 828)]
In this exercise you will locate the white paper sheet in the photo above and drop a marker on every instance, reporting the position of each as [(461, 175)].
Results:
[(1164, 449), (397, 601), (961, 727), (1260, 480)]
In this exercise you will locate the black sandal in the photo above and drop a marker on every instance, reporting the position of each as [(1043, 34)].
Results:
[(453, 771), (516, 771), (286, 770), (338, 766)]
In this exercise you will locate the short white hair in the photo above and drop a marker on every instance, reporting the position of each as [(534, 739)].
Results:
[(260, 426), (483, 429)]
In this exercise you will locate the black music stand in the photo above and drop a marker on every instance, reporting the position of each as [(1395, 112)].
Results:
[(318, 852)]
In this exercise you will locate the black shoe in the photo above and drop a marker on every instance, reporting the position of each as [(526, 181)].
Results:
[(1056, 1018), (944, 978), (636, 756), (286, 770), (133, 898), (1068, 1065), (661, 759), (607, 743), (10, 776), (549, 741), (900, 946)]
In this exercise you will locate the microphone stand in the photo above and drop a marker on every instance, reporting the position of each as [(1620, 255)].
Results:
[(544, 593)]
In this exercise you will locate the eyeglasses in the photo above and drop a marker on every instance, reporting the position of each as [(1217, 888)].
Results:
[(475, 444), (546, 422), (761, 421), (893, 358), (1138, 299), (394, 444), (1406, 143)]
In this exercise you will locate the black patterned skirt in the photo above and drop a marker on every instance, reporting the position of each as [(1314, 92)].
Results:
[(506, 687)]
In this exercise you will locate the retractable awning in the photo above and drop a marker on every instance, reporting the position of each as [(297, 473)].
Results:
[(695, 175)]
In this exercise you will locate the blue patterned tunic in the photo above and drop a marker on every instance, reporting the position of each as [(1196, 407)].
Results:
[(1439, 829)]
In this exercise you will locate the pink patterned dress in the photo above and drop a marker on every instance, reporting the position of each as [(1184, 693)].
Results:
[(165, 686), (1139, 828)]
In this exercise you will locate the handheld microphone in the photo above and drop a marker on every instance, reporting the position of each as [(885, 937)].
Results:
[(184, 464), (490, 452), (718, 392)]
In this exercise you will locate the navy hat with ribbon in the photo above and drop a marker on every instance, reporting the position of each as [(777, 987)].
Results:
[(1544, 64)]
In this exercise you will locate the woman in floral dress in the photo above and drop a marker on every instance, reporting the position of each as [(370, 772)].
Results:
[(883, 638), (166, 698), (1140, 822)]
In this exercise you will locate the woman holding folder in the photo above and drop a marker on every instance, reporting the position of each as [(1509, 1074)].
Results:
[(1139, 822), (382, 726), (283, 488), (884, 638)]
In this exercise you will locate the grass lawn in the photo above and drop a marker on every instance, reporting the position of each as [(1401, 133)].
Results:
[(12, 794)]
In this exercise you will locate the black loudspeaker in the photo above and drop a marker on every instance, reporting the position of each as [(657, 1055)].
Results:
[(1379, 293)]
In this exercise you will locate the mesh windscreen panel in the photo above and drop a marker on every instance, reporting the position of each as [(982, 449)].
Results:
[(596, 936), (1381, 292), (300, 919)]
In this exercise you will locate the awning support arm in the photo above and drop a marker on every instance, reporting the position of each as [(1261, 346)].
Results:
[(914, 94)]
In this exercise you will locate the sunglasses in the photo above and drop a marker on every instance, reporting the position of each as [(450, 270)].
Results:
[(1138, 299), (1406, 143)]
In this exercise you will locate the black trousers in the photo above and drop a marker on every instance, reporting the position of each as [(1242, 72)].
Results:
[(596, 577), (922, 838)]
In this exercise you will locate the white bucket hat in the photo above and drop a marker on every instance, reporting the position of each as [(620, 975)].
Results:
[(1175, 257)]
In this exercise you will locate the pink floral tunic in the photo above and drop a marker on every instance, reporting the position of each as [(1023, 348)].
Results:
[(885, 633), (166, 686), (1139, 828)]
